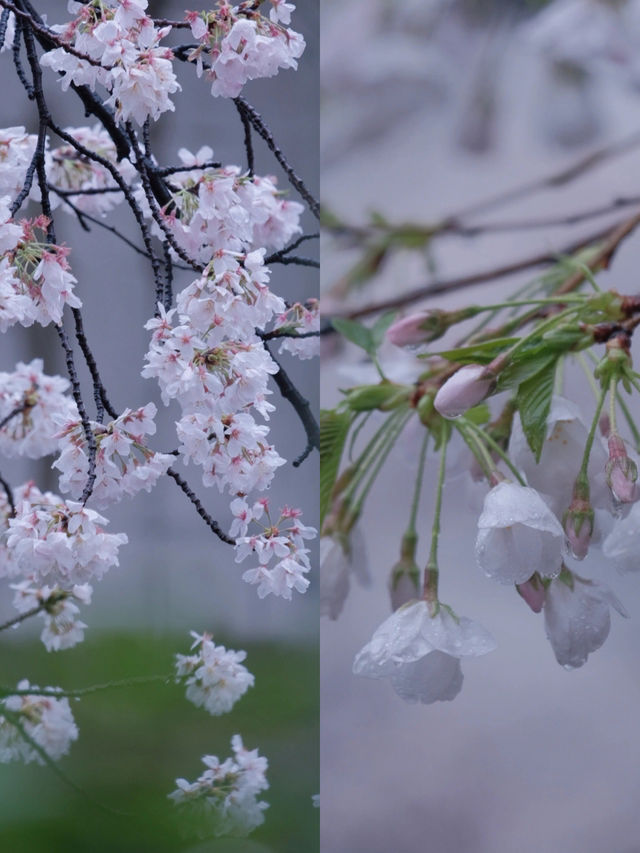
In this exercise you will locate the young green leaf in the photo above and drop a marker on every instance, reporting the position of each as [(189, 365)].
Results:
[(534, 401), (334, 428), (354, 332)]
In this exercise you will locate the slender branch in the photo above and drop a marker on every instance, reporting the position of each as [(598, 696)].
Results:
[(20, 618), (448, 285), (248, 144), (262, 130), (10, 500), (302, 408), (204, 515)]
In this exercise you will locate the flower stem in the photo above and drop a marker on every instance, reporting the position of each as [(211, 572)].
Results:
[(411, 527), (582, 476), (430, 584), (481, 434), (399, 425), (84, 691)]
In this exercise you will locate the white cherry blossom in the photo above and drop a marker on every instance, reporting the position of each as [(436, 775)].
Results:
[(46, 719), (214, 676), (518, 535), (577, 618), (420, 653)]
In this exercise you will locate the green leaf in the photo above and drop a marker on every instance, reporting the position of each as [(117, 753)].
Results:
[(379, 328), (479, 414), (523, 369), (334, 428), (354, 332), (534, 400), (481, 353)]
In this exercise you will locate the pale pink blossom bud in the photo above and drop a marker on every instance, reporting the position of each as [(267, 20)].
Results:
[(578, 536), (578, 520), (465, 389), (533, 593), (409, 331), (621, 471)]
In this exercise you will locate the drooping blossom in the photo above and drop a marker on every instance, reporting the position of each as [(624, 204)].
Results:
[(518, 535), (420, 653), (577, 618)]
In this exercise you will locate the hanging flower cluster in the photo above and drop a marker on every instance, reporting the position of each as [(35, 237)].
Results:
[(215, 209), (35, 281), (31, 404), (237, 45), (224, 797), (68, 170), (124, 465), (214, 676), (558, 488), (47, 722), (123, 53)]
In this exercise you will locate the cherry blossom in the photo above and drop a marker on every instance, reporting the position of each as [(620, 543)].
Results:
[(16, 151), (243, 48), (518, 535), (420, 653), (215, 676), (281, 544), (45, 719), (124, 465), (68, 170), (62, 628), (61, 542), (224, 797), (576, 617), (38, 401)]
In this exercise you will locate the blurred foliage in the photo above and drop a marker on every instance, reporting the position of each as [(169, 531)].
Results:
[(136, 740)]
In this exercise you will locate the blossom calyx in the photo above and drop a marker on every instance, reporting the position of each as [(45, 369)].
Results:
[(468, 386), (622, 472), (384, 396)]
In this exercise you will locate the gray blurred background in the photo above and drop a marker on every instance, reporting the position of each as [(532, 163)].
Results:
[(426, 110)]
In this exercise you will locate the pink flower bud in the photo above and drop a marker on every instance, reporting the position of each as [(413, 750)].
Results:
[(533, 593), (579, 536), (465, 389), (578, 520), (410, 330), (622, 472)]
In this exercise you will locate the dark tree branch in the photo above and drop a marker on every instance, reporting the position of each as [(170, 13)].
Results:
[(262, 130), (204, 515), (302, 408)]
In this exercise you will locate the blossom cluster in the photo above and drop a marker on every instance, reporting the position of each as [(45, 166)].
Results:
[(31, 402), (242, 45), (545, 509), (124, 465), (35, 280), (122, 46), (59, 542), (223, 208), (224, 797), (115, 44), (45, 719), (215, 676), (283, 560)]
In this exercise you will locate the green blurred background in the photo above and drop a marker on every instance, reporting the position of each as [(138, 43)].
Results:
[(136, 740)]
